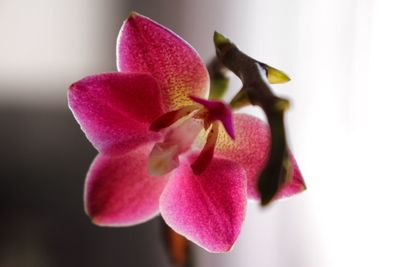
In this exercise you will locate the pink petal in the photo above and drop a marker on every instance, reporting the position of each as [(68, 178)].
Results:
[(118, 190), (115, 109), (296, 185), (209, 208), (145, 46), (250, 149)]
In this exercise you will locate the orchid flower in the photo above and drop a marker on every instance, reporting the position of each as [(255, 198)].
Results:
[(164, 147)]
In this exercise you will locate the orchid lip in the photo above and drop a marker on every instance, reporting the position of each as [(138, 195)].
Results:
[(163, 159), (177, 140)]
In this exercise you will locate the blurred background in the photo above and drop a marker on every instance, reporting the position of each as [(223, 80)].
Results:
[(343, 127)]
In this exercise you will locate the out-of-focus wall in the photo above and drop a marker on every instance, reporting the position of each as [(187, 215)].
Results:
[(342, 57), (47, 44), (343, 126)]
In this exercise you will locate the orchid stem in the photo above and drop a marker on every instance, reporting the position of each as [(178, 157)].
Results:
[(178, 248), (253, 75), (218, 79)]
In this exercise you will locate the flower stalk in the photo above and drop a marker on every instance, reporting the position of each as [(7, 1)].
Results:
[(257, 91)]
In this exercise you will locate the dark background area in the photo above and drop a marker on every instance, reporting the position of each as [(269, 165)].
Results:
[(43, 163), (45, 156)]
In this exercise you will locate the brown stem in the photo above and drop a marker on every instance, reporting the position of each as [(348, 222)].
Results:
[(253, 75), (177, 247), (218, 79)]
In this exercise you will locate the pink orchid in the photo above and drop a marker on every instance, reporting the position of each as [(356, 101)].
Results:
[(149, 121)]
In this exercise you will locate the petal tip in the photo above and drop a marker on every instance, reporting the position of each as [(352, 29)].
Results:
[(96, 221), (303, 187), (72, 86), (99, 221), (226, 249), (133, 14), (223, 248)]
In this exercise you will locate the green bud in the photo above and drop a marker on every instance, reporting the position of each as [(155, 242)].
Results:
[(276, 76)]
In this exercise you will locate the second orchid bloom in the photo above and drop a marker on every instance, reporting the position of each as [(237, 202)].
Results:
[(163, 147)]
